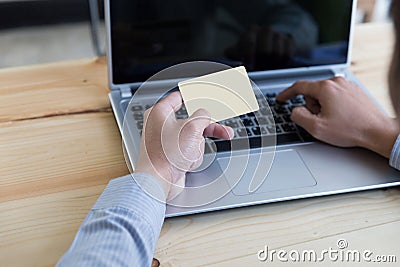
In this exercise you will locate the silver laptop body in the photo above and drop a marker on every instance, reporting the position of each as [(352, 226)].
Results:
[(300, 169)]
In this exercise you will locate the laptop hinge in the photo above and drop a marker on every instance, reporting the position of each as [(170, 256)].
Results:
[(126, 92), (340, 72)]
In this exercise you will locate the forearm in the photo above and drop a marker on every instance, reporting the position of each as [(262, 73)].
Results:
[(121, 229)]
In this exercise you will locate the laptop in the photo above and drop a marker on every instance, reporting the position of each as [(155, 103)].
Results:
[(279, 42)]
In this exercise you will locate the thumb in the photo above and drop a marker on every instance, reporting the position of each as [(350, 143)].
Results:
[(304, 118)]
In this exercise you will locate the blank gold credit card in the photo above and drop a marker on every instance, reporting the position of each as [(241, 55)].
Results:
[(225, 94)]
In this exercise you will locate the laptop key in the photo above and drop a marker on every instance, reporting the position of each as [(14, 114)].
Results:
[(263, 103), (264, 130), (271, 129), (270, 95), (285, 103), (248, 122), (286, 118), (137, 108), (265, 111), (299, 100), (281, 110), (241, 132), (138, 115), (251, 115), (290, 138), (181, 117), (262, 120), (271, 120), (223, 146), (231, 123), (305, 135), (278, 119), (288, 127), (181, 111), (271, 101), (249, 132), (256, 130)]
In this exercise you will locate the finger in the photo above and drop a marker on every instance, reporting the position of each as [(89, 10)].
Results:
[(305, 88), (172, 101), (304, 118), (199, 120), (219, 131), (312, 105)]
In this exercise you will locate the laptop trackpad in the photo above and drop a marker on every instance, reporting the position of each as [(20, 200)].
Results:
[(288, 171)]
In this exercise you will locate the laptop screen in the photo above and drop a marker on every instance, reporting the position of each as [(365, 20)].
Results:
[(150, 35)]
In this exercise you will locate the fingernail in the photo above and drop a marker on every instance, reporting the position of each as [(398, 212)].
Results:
[(231, 133)]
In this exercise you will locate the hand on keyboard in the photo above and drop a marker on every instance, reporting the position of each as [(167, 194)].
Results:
[(340, 113)]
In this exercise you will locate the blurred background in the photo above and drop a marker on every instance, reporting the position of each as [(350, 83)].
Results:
[(42, 31)]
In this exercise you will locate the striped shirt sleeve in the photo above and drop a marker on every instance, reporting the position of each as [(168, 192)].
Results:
[(121, 229), (395, 155)]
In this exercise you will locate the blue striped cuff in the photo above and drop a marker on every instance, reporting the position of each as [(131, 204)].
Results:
[(124, 192), (394, 156)]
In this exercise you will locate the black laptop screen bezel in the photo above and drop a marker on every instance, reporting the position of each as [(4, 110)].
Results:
[(116, 81)]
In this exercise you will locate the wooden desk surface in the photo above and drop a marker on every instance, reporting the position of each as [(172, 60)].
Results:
[(60, 145)]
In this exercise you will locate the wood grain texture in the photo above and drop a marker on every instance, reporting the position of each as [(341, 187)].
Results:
[(53, 89), (371, 53), (60, 145), (36, 231), (59, 153), (233, 237)]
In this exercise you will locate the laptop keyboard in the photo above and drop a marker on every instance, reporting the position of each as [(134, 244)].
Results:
[(250, 129)]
